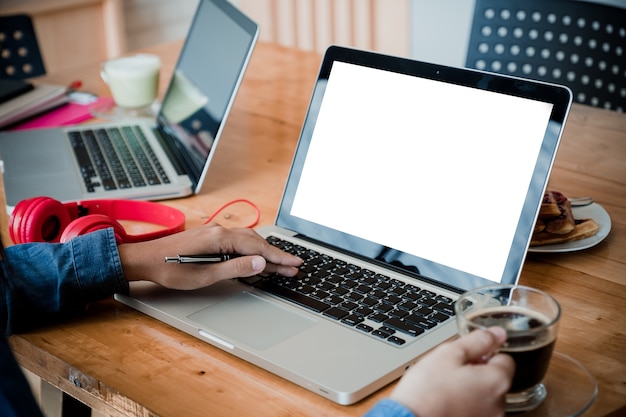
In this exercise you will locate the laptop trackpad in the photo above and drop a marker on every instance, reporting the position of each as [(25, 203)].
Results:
[(252, 320)]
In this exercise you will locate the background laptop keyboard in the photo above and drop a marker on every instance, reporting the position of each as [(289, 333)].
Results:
[(386, 308), (116, 158)]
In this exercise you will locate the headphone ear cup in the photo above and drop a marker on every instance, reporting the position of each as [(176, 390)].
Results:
[(39, 219), (91, 223)]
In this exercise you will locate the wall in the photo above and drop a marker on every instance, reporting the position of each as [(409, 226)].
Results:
[(149, 22), (381, 25)]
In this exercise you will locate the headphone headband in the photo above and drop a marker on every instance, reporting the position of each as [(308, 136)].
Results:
[(141, 211)]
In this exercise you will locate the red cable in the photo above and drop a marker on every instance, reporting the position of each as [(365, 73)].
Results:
[(239, 200)]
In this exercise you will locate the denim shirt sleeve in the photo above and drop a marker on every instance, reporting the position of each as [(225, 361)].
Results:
[(47, 282), (389, 408)]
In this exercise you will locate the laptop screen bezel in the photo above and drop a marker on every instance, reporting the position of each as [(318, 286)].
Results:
[(559, 96)]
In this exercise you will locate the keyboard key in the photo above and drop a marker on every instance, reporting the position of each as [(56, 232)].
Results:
[(352, 320), (296, 297), (445, 308), (364, 327), (378, 317), (403, 326), (420, 321), (439, 317), (396, 340), (382, 334), (336, 313)]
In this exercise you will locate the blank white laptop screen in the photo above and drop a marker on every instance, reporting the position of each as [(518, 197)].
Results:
[(427, 152)]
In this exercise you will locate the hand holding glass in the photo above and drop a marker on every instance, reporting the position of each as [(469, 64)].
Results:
[(531, 319)]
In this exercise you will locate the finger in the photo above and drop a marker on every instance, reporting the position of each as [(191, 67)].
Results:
[(285, 270), (504, 362), (249, 242), (244, 266), (279, 257), (479, 344)]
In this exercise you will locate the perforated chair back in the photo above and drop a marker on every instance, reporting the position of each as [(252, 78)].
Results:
[(574, 43), (20, 56)]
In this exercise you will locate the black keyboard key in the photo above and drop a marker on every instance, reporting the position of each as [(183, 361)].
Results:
[(439, 317), (392, 299), (403, 326), (408, 305), (398, 313), (336, 313), (305, 289), (296, 297), (340, 291), (444, 308), (413, 296), (319, 294), (352, 320), (364, 327), (369, 301), (423, 311), (377, 294), (396, 340), (349, 305), (428, 301), (362, 289), (381, 333), (427, 293), (363, 311), (383, 308), (334, 279), (383, 285), (444, 299), (398, 291), (420, 321), (353, 296), (311, 280), (378, 317)]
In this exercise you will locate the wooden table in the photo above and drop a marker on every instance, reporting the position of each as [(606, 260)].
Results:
[(122, 362)]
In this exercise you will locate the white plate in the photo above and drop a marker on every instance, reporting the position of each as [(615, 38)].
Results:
[(593, 211)]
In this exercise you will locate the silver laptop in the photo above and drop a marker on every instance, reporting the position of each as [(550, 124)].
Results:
[(411, 183), (148, 160)]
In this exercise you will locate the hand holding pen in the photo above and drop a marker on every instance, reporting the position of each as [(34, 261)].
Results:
[(202, 259), (144, 261)]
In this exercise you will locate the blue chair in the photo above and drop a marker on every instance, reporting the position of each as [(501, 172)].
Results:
[(20, 56), (575, 43)]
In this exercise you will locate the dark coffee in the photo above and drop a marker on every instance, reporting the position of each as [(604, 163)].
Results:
[(530, 342)]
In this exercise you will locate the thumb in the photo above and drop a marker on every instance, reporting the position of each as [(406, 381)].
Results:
[(481, 343)]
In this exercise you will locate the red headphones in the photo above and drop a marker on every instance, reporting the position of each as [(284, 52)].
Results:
[(43, 219)]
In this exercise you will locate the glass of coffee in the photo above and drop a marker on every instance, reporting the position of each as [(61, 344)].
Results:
[(531, 319)]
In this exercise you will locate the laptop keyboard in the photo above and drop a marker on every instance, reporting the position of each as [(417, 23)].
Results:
[(116, 158), (386, 308)]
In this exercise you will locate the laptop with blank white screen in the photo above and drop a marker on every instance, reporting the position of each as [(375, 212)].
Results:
[(143, 158), (411, 183)]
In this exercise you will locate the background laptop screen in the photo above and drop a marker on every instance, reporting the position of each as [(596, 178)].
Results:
[(202, 88), (427, 173)]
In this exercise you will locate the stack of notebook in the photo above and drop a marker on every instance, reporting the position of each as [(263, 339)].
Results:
[(21, 100)]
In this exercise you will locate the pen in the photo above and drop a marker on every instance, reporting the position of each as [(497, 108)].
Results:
[(203, 259)]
